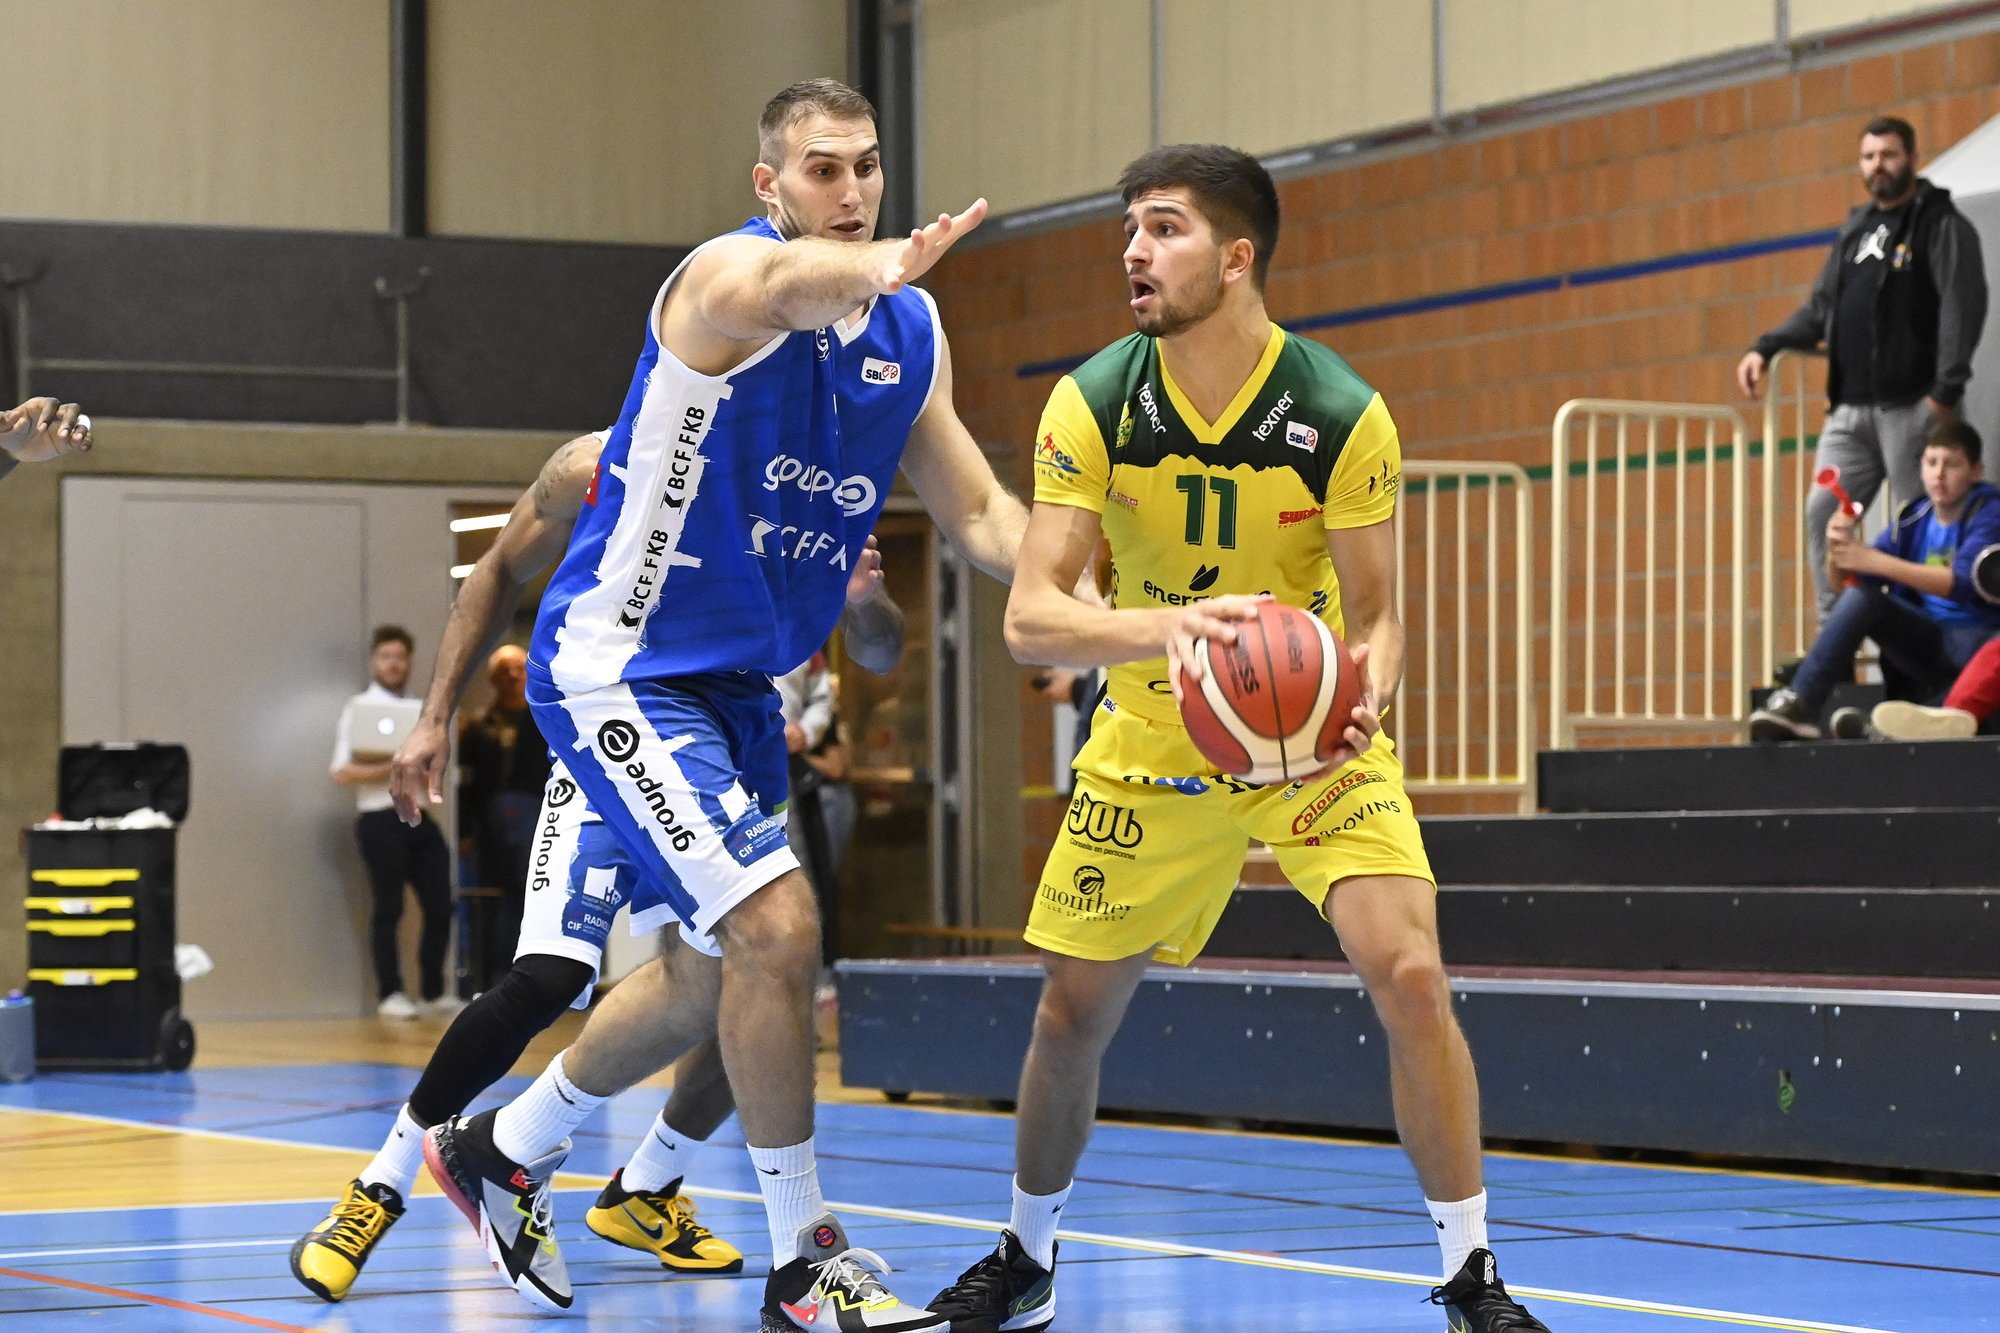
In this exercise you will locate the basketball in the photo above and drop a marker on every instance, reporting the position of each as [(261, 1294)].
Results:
[(1273, 705)]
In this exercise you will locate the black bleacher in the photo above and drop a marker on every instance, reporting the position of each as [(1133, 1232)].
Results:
[(1786, 951)]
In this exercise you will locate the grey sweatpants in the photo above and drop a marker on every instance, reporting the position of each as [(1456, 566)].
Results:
[(1866, 444)]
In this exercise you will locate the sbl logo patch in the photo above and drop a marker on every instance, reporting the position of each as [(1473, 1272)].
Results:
[(1301, 436), (881, 372)]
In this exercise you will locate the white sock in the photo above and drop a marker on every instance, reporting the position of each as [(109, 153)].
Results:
[(1034, 1222), (535, 1123), (789, 1178), (402, 1156), (663, 1156), (1461, 1229)]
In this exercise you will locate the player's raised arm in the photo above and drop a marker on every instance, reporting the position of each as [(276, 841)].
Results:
[(536, 535), (746, 290)]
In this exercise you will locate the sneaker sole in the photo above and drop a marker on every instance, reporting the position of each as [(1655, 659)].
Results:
[(1768, 728), (476, 1215), (1039, 1317), (1910, 722), (776, 1323)]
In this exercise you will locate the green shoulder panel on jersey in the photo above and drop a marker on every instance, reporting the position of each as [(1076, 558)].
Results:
[(1109, 381), (1337, 390)]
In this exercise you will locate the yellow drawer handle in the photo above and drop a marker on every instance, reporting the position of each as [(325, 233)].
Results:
[(79, 929), (72, 976), (83, 879), (79, 906)]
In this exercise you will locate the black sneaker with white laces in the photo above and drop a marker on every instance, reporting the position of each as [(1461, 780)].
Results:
[(1479, 1303), (507, 1202), (833, 1286), (1003, 1292)]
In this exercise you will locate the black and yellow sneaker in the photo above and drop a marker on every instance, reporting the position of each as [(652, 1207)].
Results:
[(1004, 1291), (661, 1223), (327, 1259), (832, 1287), (1479, 1302)]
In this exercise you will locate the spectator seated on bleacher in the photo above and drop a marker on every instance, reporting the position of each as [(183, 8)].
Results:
[(1912, 592)]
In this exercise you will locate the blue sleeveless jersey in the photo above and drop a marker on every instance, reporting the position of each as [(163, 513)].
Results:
[(727, 510)]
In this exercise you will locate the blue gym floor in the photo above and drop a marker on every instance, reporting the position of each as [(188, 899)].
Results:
[(1172, 1229)]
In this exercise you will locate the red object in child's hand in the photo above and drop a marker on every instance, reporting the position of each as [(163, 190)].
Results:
[(1829, 477)]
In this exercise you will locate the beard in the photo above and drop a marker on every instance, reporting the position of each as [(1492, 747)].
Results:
[(1884, 186), (1177, 315)]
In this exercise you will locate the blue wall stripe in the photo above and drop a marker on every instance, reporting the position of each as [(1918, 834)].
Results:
[(1469, 296)]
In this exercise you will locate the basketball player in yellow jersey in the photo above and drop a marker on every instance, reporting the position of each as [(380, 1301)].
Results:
[(1223, 459)]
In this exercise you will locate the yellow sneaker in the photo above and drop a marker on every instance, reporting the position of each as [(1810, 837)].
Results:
[(328, 1258), (663, 1226)]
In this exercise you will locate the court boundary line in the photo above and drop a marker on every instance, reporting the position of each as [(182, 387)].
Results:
[(146, 1298), (1741, 1319)]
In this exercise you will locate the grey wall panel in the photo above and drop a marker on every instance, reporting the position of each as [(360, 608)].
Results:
[(513, 334)]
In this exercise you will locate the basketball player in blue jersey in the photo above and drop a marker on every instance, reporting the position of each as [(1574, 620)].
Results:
[(788, 370), (579, 880)]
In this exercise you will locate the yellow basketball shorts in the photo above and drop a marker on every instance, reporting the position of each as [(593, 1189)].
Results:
[(1153, 842)]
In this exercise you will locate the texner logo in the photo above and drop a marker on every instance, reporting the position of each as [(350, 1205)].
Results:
[(881, 372), (1273, 417)]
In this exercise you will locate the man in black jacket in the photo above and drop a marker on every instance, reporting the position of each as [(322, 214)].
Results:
[(1899, 306)]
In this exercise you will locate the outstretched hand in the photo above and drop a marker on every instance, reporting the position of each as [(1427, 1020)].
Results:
[(909, 260), (44, 428)]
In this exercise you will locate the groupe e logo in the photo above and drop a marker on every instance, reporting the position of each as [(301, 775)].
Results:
[(618, 740), (561, 792), (855, 494)]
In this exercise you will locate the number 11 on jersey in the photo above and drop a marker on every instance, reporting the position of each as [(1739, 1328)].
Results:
[(1197, 488)]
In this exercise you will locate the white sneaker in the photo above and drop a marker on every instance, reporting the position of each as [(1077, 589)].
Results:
[(1900, 721), (398, 1007), (444, 1006)]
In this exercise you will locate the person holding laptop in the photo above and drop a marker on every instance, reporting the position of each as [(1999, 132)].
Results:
[(372, 725)]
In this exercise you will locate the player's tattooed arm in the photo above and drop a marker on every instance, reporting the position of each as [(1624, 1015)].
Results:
[(536, 534)]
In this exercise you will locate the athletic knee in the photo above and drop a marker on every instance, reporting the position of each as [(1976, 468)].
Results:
[(537, 989), (1410, 987), (775, 931), (1073, 1017)]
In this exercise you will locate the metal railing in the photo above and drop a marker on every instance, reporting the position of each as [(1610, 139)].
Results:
[(1452, 740), (19, 279), (1611, 431)]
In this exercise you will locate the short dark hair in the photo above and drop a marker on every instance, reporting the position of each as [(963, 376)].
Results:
[(1957, 435), (1896, 125), (1230, 187), (807, 97), (392, 634)]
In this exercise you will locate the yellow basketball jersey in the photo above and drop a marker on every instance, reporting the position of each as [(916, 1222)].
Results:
[(1194, 509)]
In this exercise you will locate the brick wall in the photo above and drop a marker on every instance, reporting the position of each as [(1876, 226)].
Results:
[(1484, 380)]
